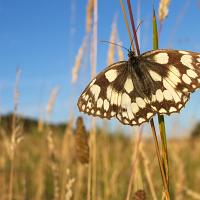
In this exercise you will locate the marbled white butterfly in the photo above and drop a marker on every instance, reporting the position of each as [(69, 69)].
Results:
[(133, 91)]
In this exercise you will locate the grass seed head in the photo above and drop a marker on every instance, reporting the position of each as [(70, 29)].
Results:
[(82, 147), (89, 14), (111, 50), (120, 51), (78, 61), (139, 195), (163, 9)]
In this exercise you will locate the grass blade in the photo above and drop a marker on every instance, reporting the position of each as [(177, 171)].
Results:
[(161, 120)]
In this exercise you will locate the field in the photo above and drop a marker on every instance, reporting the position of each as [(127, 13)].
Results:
[(57, 166), (41, 159)]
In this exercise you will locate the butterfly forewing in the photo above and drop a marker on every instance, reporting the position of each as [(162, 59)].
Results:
[(160, 82), (95, 99)]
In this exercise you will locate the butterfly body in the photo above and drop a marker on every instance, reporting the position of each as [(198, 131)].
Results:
[(133, 91)]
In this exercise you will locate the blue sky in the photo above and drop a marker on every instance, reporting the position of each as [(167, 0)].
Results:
[(42, 37)]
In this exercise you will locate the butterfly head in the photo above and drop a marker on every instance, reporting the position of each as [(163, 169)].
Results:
[(131, 53), (133, 59)]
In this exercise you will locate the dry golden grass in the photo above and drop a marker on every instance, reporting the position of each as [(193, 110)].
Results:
[(46, 165), (51, 169)]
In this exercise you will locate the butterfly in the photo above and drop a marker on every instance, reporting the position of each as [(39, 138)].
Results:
[(155, 82)]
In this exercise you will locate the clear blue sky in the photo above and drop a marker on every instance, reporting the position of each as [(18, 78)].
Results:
[(42, 38)]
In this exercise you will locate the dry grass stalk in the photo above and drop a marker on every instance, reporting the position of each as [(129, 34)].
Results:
[(51, 102), (67, 152), (3, 163), (92, 169), (89, 14), (6, 143), (93, 51), (78, 60), (55, 171), (114, 180), (92, 176), (82, 147), (111, 50), (180, 181), (163, 9), (134, 162), (120, 51), (191, 193), (164, 179), (69, 140), (106, 167), (24, 193), (16, 135), (39, 179), (138, 182), (53, 164), (147, 172), (50, 144), (69, 184), (127, 24), (80, 186)]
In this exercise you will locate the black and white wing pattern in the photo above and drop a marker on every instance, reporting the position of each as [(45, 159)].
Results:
[(133, 91), (176, 75)]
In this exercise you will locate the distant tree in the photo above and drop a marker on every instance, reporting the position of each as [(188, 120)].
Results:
[(196, 131)]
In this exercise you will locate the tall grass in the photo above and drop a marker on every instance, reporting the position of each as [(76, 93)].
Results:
[(76, 164), (114, 153)]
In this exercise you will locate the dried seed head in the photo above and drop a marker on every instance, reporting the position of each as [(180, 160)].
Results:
[(139, 195), (78, 61), (163, 9), (120, 51), (52, 100), (81, 137), (111, 50), (68, 186), (89, 14)]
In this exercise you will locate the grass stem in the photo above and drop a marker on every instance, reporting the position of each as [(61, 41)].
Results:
[(127, 25), (161, 119), (160, 159), (133, 27)]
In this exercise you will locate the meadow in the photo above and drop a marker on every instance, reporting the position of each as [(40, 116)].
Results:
[(51, 162), (41, 160)]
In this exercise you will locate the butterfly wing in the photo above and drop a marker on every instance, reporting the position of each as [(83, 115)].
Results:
[(95, 99), (176, 74), (114, 93), (161, 82)]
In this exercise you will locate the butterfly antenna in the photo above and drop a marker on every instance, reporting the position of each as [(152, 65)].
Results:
[(114, 44), (131, 45), (136, 32), (139, 26)]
